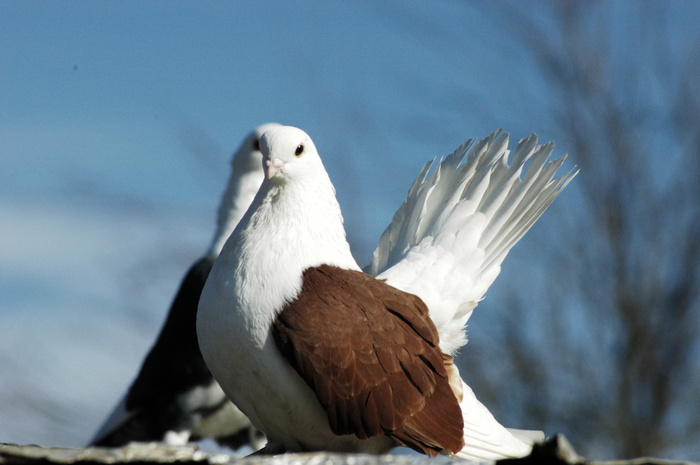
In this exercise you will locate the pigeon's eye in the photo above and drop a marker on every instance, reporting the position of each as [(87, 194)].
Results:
[(299, 150), (256, 144)]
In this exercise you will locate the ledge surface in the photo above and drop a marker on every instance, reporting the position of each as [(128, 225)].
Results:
[(556, 450)]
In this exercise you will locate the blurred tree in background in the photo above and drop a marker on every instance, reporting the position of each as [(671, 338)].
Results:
[(606, 349)]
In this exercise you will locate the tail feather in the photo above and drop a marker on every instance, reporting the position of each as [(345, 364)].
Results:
[(486, 439), (519, 207), (459, 221)]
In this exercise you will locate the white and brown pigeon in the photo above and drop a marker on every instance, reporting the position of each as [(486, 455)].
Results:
[(174, 397), (321, 356)]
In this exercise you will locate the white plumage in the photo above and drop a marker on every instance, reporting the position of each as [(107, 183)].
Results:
[(289, 227), (448, 239), (174, 398), (445, 244)]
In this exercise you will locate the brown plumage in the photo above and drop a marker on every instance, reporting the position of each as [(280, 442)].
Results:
[(370, 353)]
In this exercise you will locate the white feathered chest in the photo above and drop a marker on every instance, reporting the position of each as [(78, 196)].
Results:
[(258, 271)]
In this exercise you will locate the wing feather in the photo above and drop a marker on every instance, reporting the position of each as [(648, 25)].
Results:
[(371, 354)]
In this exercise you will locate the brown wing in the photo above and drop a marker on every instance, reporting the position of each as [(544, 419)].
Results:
[(370, 353)]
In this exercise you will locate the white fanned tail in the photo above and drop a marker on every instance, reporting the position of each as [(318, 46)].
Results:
[(446, 244), (448, 239)]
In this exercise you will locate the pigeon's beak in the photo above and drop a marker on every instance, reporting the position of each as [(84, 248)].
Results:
[(273, 167)]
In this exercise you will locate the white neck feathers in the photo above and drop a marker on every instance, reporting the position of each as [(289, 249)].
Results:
[(290, 227)]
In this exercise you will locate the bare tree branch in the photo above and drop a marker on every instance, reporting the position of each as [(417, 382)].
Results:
[(633, 251)]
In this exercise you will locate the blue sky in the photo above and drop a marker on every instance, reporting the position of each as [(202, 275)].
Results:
[(100, 93), (117, 120)]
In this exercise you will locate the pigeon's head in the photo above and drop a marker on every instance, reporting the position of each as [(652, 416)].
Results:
[(289, 153), (248, 157)]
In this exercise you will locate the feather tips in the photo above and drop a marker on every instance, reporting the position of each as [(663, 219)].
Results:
[(449, 237)]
